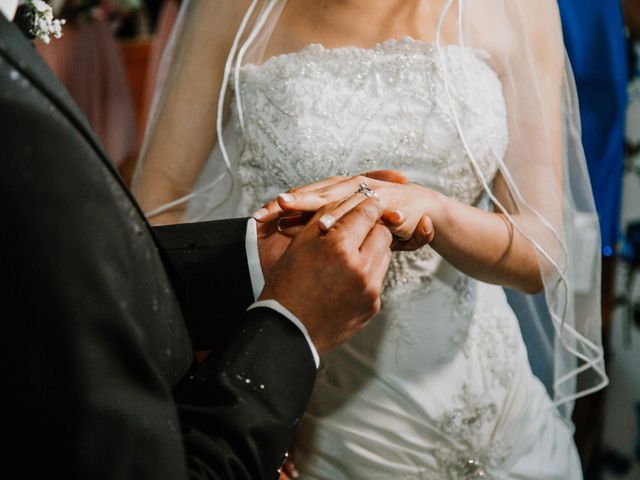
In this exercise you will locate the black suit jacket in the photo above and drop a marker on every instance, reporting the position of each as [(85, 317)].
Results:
[(98, 378)]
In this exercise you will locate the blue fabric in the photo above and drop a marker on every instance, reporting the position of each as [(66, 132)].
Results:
[(594, 37)]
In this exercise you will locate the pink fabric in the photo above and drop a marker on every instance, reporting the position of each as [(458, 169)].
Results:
[(166, 20), (87, 60)]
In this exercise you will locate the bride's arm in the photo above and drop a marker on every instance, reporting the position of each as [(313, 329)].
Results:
[(529, 53), (479, 243), (482, 244), (183, 132)]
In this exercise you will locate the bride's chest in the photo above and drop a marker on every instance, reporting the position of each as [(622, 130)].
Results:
[(321, 112)]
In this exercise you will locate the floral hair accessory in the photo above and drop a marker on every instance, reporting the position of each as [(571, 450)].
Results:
[(44, 26)]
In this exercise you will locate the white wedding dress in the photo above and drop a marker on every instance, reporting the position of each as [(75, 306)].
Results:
[(438, 385)]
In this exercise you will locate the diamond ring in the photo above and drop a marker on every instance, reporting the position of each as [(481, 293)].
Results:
[(364, 189)]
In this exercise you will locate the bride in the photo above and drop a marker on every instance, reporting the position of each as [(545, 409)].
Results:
[(474, 100)]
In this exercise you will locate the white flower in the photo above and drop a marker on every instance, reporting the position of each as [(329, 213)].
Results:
[(44, 25), (40, 6), (57, 29)]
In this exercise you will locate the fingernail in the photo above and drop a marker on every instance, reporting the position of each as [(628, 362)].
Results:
[(398, 216), (430, 235), (327, 221), (295, 473), (285, 197), (258, 214)]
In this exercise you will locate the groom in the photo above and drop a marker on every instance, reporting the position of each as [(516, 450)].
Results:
[(101, 314)]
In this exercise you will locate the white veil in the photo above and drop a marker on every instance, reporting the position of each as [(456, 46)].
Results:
[(191, 150)]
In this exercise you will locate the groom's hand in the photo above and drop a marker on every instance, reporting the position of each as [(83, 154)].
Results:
[(272, 243), (275, 233), (332, 280)]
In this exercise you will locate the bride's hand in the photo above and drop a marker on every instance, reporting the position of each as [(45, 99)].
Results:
[(272, 209), (408, 207), (290, 222)]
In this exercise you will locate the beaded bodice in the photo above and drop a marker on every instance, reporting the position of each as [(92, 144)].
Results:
[(321, 112)]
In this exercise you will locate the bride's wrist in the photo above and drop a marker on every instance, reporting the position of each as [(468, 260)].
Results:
[(436, 206)]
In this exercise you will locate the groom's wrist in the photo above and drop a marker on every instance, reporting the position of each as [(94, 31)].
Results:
[(257, 283)]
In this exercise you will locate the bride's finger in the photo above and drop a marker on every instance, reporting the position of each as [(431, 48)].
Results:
[(315, 195), (320, 184), (425, 232), (403, 232), (312, 200), (393, 176), (272, 209), (422, 235), (393, 217)]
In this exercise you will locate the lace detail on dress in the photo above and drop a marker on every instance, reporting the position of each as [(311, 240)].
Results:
[(466, 425), (475, 451), (404, 278), (490, 327)]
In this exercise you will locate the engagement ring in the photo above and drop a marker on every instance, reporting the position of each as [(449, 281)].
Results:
[(364, 189)]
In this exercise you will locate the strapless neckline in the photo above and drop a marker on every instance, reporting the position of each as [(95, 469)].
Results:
[(393, 46)]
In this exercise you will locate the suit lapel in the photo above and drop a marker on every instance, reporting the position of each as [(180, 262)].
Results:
[(19, 51)]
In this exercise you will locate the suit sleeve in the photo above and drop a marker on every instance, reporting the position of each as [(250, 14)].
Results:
[(92, 336), (207, 265), (239, 409)]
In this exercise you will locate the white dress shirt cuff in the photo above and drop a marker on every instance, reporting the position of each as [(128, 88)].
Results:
[(253, 259), (257, 284)]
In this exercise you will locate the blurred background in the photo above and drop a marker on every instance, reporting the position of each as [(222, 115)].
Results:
[(109, 57)]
